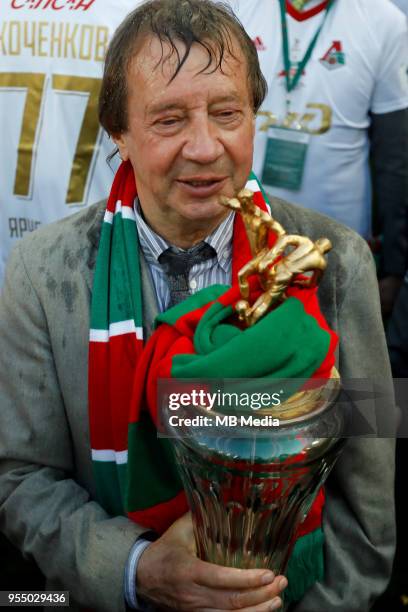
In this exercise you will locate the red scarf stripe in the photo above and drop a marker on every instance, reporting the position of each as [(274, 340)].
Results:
[(161, 516), (130, 189), (120, 177), (100, 435), (143, 391), (123, 188), (314, 518), (260, 202), (118, 357)]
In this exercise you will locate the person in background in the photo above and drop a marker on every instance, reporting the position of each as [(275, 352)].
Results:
[(397, 340), (337, 90), (402, 5), (52, 152), (397, 333)]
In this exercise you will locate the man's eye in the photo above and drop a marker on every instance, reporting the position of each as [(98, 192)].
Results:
[(227, 114), (168, 121)]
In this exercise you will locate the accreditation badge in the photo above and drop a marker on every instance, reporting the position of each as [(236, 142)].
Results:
[(285, 158)]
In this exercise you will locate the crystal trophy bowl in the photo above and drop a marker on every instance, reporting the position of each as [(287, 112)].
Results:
[(249, 487)]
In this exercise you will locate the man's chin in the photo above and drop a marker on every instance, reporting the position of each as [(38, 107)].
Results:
[(203, 211)]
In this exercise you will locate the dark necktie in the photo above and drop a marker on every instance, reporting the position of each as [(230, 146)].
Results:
[(177, 265)]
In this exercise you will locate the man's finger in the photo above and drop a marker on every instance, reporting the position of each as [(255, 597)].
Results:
[(274, 604), (240, 600), (219, 577)]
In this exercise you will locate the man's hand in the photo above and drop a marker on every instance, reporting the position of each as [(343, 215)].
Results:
[(170, 575)]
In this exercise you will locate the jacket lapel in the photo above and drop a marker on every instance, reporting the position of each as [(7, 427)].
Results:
[(94, 234)]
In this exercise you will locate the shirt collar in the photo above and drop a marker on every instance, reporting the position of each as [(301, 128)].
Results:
[(310, 10), (153, 245)]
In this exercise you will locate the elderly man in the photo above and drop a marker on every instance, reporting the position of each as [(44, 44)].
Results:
[(180, 91)]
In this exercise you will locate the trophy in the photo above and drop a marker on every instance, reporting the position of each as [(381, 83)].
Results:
[(249, 489)]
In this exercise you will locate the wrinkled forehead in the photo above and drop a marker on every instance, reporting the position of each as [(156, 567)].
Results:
[(152, 57)]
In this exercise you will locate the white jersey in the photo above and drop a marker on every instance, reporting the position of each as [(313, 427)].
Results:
[(52, 151), (358, 65), (402, 4)]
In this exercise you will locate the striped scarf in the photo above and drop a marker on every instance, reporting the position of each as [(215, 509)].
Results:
[(135, 471)]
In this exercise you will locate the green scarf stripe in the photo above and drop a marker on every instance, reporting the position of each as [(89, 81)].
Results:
[(99, 308), (154, 470), (205, 342), (110, 497), (124, 282), (131, 254), (306, 565), (121, 237), (239, 355), (252, 177), (193, 302)]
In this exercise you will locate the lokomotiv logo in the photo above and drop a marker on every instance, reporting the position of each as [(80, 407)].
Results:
[(334, 57)]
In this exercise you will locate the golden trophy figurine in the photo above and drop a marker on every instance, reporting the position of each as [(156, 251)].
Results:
[(257, 222), (293, 260)]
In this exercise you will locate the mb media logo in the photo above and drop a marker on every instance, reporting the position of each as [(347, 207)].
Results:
[(334, 58)]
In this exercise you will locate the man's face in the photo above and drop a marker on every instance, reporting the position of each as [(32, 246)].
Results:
[(190, 140)]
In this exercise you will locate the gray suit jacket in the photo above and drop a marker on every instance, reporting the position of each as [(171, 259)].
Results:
[(47, 505)]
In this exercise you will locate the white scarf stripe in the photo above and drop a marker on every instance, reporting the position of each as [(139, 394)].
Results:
[(125, 327), (119, 457), (128, 213), (108, 218), (99, 335), (253, 186), (116, 329)]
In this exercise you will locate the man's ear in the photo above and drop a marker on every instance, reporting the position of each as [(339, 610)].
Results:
[(120, 141)]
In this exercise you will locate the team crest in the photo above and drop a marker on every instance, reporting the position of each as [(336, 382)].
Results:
[(335, 57)]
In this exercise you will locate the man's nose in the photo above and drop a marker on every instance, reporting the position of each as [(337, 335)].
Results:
[(203, 143)]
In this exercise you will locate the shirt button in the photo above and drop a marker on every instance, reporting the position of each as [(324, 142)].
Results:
[(193, 284)]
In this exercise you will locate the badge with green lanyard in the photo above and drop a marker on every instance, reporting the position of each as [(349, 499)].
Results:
[(286, 146)]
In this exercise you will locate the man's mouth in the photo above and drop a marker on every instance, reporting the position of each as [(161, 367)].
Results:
[(202, 185)]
